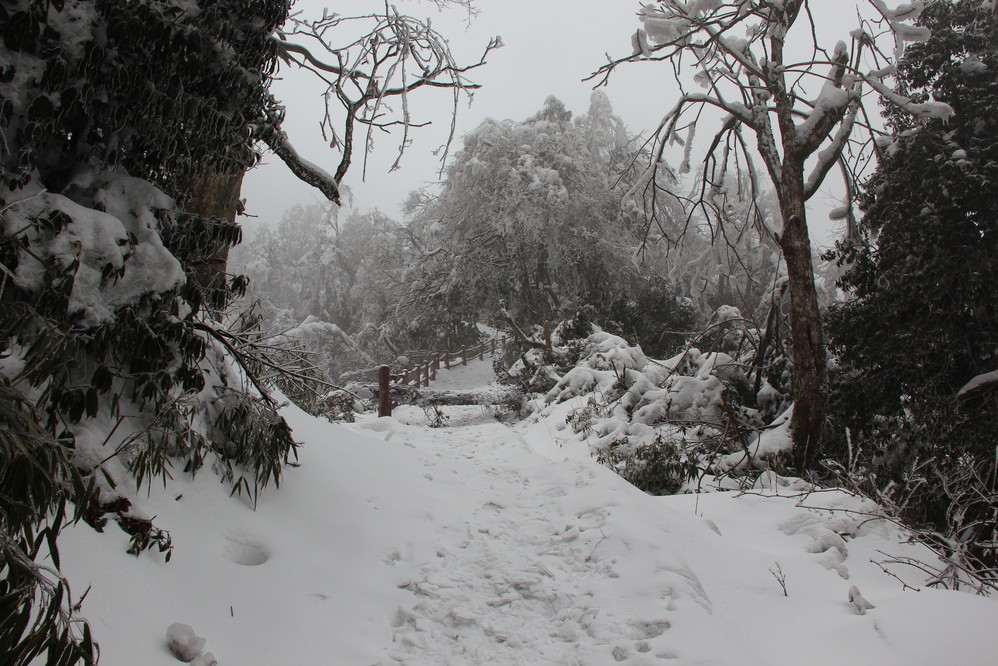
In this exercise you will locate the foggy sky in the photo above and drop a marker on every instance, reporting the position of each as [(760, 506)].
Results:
[(550, 47)]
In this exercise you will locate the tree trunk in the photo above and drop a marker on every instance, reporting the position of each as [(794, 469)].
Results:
[(214, 193), (810, 377)]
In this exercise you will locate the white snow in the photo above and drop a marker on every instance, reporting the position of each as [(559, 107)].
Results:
[(979, 381), (839, 213), (397, 543), (973, 64), (183, 642), (776, 439), (124, 237), (476, 374)]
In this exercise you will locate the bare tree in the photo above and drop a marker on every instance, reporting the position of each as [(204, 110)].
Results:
[(368, 63), (801, 114)]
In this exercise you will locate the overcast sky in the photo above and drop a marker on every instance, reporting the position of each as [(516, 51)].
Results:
[(550, 47)]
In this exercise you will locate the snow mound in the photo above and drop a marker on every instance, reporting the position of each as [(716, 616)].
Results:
[(183, 642)]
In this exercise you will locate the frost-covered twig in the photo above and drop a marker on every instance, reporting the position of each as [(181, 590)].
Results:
[(369, 59), (780, 577)]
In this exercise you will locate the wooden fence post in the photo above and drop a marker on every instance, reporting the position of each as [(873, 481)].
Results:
[(447, 360), (464, 356), (548, 350), (426, 375), (384, 392)]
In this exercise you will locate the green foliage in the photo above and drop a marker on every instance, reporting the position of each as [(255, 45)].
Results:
[(658, 468), (37, 481), (254, 438), (164, 89), (924, 318), (648, 313)]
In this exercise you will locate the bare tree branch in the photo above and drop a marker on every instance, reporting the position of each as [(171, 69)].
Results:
[(365, 61)]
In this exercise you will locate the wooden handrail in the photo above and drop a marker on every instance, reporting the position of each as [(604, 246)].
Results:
[(424, 373)]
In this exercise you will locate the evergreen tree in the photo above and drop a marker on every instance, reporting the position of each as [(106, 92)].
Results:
[(923, 321)]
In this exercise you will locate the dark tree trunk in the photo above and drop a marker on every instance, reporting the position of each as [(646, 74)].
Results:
[(214, 193), (810, 377)]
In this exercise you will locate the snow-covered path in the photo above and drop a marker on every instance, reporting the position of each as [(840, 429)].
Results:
[(480, 543), (533, 578), (476, 374)]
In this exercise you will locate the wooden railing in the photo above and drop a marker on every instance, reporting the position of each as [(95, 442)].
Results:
[(423, 374)]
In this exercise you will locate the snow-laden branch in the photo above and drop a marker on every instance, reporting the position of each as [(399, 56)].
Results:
[(367, 60), (827, 157), (701, 40), (308, 172)]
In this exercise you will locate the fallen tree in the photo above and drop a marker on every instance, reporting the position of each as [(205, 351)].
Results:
[(427, 397)]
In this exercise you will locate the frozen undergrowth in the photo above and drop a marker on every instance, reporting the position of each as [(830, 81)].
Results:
[(702, 408)]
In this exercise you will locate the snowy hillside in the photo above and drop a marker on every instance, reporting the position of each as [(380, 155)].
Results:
[(479, 543)]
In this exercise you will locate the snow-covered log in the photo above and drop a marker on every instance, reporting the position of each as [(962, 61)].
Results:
[(410, 395)]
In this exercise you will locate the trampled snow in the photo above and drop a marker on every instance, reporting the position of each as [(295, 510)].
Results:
[(477, 543)]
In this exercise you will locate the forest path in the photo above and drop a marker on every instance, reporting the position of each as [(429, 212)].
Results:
[(476, 374), (536, 575)]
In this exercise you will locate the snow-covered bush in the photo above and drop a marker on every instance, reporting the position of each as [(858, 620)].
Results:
[(111, 115), (658, 468), (658, 421)]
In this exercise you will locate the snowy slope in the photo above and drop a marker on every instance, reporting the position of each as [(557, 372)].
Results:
[(478, 543)]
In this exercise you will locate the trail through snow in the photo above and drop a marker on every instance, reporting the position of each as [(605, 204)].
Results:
[(485, 543), (535, 576), (476, 374)]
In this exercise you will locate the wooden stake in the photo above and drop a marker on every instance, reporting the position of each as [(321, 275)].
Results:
[(384, 392)]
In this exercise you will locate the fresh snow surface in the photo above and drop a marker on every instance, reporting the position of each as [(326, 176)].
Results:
[(477, 374), (481, 543), (979, 381)]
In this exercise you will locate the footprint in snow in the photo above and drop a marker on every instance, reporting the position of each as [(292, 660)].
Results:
[(245, 550)]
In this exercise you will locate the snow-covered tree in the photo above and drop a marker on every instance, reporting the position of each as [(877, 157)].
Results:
[(345, 273), (368, 63), (107, 110), (126, 128), (797, 110), (532, 218)]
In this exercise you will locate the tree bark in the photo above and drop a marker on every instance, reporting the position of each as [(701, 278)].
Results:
[(810, 377), (214, 193)]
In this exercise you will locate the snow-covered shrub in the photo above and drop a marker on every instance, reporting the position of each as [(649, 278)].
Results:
[(110, 114), (659, 467), (657, 421)]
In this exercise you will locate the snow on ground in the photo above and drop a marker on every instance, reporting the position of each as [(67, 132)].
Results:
[(396, 543), (476, 374)]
